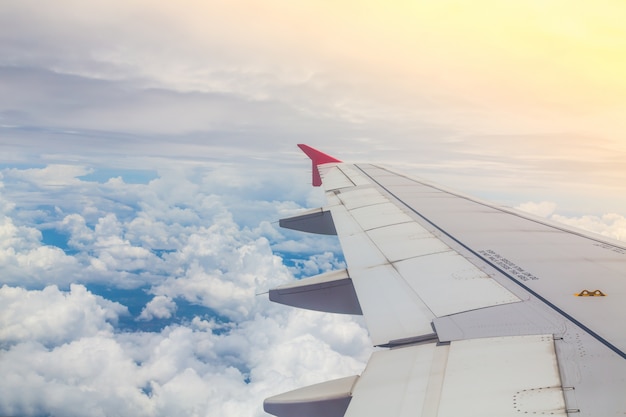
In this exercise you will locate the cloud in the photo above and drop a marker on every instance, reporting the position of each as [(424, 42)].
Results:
[(161, 307), (23, 259), (130, 234), (319, 264), (224, 280), (611, 225), (54, 175), (63, 350), (53, 317), (180, 370)]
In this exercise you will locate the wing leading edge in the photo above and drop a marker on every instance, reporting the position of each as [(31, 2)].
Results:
[(475, 304)]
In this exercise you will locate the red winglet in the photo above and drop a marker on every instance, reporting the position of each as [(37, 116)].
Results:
[(317, 158)]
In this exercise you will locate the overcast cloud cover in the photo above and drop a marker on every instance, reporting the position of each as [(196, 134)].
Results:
[(148, 149)]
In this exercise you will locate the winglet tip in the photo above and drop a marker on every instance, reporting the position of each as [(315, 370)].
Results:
[(317, 158)]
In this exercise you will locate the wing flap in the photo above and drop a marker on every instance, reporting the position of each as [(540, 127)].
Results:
[(492, 376), (391, 309), (502, 376), (395, 382)]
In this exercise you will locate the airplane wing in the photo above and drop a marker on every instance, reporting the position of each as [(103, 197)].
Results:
[(477, 310)]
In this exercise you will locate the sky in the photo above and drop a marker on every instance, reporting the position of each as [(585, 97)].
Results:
[(149, 149)]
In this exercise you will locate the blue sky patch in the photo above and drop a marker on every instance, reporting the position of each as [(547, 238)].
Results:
[(136, 299), (54, 237), (130, 176)]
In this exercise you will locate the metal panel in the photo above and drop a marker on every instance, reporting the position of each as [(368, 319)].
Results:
[(355, 175), (360, 197), (345, 224), (391, 310), (406, 240), (499, 377), (394, 383), (361, 251), (333, 178), (502, 376), (378, 215), (448, 283), (512, 319), (358, 248)]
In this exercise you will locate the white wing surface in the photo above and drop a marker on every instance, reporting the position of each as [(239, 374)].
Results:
[(479, 310)]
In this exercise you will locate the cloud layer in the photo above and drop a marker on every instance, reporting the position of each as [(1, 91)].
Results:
[(63, 351), (131, 83)]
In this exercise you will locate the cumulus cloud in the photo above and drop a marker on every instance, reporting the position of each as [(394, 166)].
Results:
[(181, 370), (23, 259), (319, 264), (54, 317), (611, 225), (161, 307), (62, 349)]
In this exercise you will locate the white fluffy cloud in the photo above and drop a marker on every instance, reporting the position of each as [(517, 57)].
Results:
[(161, 307), (54, 317), (611, 225), (181, 370), (62, 352), (23, 258)]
